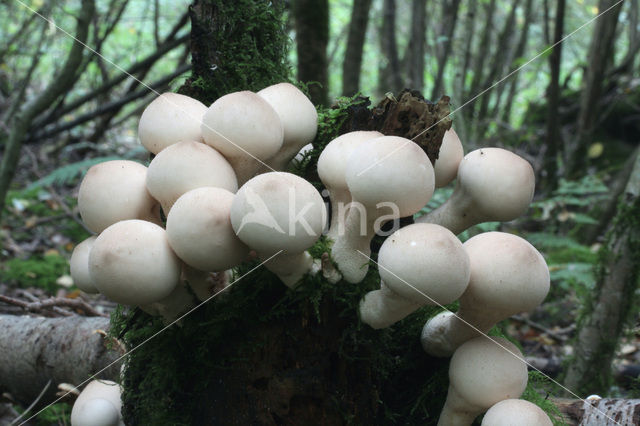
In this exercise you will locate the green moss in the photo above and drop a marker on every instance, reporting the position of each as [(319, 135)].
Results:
[(37, 271)]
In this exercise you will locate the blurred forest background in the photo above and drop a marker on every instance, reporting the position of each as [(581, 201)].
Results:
[(571, 108)]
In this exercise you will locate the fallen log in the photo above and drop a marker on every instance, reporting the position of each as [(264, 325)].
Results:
[(35, 351), (596, 411)]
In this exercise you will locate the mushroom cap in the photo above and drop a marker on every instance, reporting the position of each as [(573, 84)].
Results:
[(79, 266), (243, 123), (132, 263), (332, 163), (199, 230), (516, 412), (113, 191), (500, 182), (508, 274), (95, 412), (298, 115), (428, 257), (98, 404), (483, 372), (170, 118), (185, 166), (449, 157), (278, 211), (390, 169)]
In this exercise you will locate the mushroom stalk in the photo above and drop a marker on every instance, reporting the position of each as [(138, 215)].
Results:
[(456, 214), (383, 308), (340, 200), (457, 411), (291, 267)]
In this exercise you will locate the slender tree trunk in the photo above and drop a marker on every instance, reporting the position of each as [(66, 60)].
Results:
[(519, 52), (311, 19), (482, 51), (355, 43), (613, 298), (60, 85), (462, 124), (600, 58), (553, 141), (415, 49), (390, 77), (447, 30)]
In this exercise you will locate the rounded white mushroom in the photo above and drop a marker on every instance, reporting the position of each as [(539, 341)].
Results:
[(99, 404), (332, 165), (200, 233), (185, 166), (280, 212), (79, 266), (508, 276), (244, 128), (449, 157), (132, 263), (493, 185), (482, 372), (420, 264), (388, 177), (299, 120), (516, 412), (170, 118), (113, 191)]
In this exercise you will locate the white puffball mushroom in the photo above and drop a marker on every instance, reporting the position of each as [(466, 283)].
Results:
[(206, 284), (299, 120), (516, 412), (176, 304), (132, 263), (280, 211), (113, 191), (482, 372), (79, 266), (493, 184), (99, 404), (244, 128), (170, 118), (302, 153), (420, 264), (200, 233), (449, 157), (332, 165), (508, 276), (388, 177), (185, 166)]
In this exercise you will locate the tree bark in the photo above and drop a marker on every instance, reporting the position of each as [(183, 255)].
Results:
[(311, 19), (607, 311), (415, 49), (34, 350), (390, 74), (599, 411), (553, 141), (447, 30), (600, 58), (355, 43), (61, 84)]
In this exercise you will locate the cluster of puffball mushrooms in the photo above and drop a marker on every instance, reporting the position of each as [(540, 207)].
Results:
[(215, 195)]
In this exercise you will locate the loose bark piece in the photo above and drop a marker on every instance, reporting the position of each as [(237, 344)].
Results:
[(599, 411), (34, 350)]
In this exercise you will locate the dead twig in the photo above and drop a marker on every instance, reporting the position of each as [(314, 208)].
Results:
[(556, 335), (54, 303)]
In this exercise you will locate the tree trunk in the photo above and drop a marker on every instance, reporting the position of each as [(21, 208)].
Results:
[(613, 298), (447, 30), (311, 19), (390, 76), (599, 411), (355, 44), (600, 58), (36, 350), (415, 49), (553, 141)]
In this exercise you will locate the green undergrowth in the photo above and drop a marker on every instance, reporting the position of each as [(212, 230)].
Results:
[(36, 271)]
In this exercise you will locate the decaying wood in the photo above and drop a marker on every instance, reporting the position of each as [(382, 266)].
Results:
[(52, 302), (596, 411), (35, 350)]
